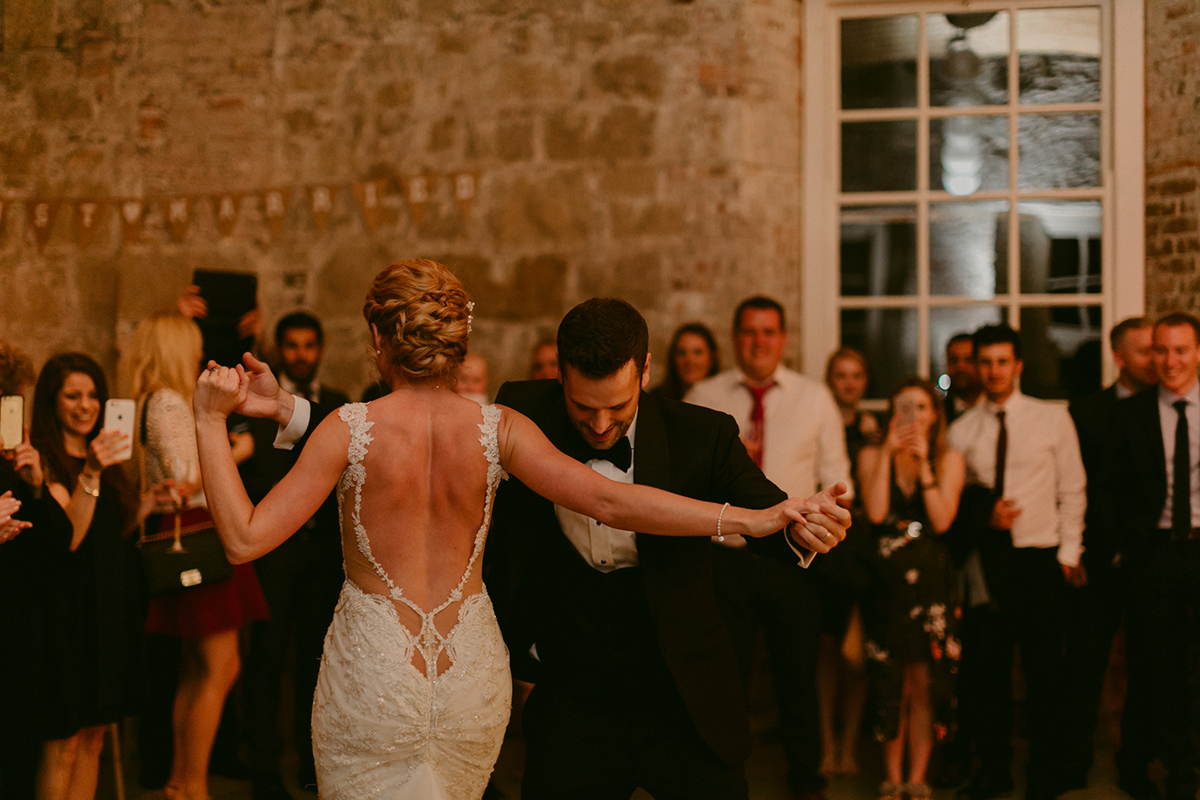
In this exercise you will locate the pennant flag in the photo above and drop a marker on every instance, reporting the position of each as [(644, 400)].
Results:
[(416, 192), (226, 207), (370, 195), (178, 211), (133, 214), (41, 217), (321, 202), (87, 218), (275, 204), (466, 185)]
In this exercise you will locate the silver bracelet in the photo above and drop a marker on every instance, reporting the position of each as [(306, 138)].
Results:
[(721, 536), (93, 492)]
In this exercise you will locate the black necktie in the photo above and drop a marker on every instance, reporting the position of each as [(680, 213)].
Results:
[(620, 455), (1181, 493), (1001, 456)]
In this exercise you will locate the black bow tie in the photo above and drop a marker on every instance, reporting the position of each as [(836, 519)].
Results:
[(620, 455)]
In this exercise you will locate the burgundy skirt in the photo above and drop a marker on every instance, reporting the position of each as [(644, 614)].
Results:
[(205, 610)]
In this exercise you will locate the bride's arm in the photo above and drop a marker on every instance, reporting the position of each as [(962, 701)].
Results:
[(248, 531), (527, 454)]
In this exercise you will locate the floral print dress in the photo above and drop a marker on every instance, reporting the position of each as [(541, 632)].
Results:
[(911, 615)]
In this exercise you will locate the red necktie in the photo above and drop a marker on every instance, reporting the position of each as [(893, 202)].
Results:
[(755, 433)]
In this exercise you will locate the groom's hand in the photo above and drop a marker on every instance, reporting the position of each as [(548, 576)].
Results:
[(820, 522), (264, 398)]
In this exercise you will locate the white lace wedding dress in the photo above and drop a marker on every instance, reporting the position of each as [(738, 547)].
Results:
[(383, 727)]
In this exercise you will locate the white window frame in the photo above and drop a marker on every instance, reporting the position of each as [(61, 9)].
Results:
[(1122, 161)]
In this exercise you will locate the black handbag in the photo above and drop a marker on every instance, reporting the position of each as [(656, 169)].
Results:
[(185, 552)]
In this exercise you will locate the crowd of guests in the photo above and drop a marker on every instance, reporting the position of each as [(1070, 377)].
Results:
[(986, 520)]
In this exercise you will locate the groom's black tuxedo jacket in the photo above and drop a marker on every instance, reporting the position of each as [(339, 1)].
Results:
[(584, 622)]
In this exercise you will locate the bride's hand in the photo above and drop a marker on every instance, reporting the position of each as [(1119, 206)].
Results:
[(817, 523), (219, 391)]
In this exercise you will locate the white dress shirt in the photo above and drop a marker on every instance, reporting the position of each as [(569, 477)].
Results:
[(804, 438), (1169, 418), (1043, 469), (604, 548)]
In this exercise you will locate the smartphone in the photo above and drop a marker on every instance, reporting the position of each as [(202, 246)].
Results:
[(906, 411), (118, 416), (12, 420)]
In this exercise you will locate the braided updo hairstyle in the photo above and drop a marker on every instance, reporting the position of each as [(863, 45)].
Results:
[(422, 312)]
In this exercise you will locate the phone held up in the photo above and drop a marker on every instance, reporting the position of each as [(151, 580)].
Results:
[(118, 416), (12, 420), (906, 411)]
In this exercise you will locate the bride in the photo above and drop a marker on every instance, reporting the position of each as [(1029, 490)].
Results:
[(414, 690)]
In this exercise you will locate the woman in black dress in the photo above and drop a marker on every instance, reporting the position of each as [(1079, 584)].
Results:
[(692, 358), (100, 584), (910, 488)]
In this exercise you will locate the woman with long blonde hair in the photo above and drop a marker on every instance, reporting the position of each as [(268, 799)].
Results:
[(164, 360)]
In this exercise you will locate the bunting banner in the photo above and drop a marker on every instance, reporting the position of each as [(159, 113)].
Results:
[(320, 199), (466, 185), (89, 215), (369, 194), (133, 215), (275, 203), (178, 213), (40, 214), (87, 218), (416, 192), (225, 208)]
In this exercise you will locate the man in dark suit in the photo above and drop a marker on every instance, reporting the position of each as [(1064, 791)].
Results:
[(637, 682), (300, 579), (965, 389), (1155, 495), (1093, 611)]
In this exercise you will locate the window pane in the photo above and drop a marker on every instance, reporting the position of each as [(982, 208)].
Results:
[(1061, 349), (946, 322), (879, 250), (1059, 55), (968, 58), (1060, 246), (966, 248), (879, 156), (1058, 151), (967, 154), (879, 62), (888, 339)]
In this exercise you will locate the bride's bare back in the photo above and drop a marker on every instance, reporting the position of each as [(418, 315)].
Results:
[(422, 506)]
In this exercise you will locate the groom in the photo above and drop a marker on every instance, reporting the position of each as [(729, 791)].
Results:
[(637, 683)]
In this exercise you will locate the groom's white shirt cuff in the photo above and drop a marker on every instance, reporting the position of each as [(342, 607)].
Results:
[(287, 436), (806, 556)]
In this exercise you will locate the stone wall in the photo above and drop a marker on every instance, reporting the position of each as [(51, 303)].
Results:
[(1172, 155), (645, 149)]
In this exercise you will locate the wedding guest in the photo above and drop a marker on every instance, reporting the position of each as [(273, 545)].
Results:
[(965, 389), (791, 427), (473, 378), (691, 358), (1024, 509), (106, 610), (164, 361), (300, 579), (910, 487), (543, 363), (845, 574), (1156, 466), (33, 603), (1094, 611)]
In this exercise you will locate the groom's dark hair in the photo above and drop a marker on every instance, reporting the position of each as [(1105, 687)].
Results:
[(601, 335)]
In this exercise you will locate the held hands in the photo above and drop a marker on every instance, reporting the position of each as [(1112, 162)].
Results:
[(264, 399), (1004, 514), (10, 527), (221, 390), (816, 524)]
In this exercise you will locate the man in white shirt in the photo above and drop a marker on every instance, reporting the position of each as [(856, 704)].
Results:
[(1155, 498), (1026, 490), (792, 428)]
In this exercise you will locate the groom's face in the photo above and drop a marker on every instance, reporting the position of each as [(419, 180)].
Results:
[(602, 409)]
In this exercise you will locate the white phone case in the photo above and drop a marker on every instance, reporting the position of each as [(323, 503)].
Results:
[(118, 416), (12, 420)]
